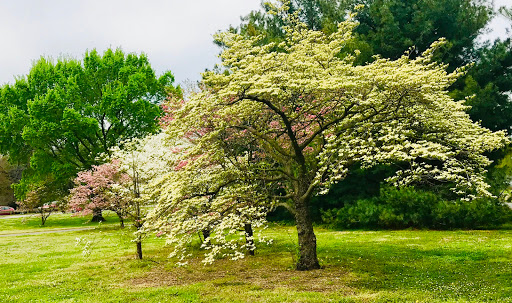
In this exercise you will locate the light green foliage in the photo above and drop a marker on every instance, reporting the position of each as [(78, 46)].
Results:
[(206, 195), (62, 115), (388, 28)]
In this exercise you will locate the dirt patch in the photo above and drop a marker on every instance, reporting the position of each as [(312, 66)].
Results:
[(225, 273)]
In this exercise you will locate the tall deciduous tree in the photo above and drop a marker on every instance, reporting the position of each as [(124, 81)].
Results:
[(310, 115), (62, 115)]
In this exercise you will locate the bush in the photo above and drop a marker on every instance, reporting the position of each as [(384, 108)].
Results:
[(410, 207), (482, 213)]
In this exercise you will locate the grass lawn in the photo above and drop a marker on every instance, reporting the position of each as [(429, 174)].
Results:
[(57, 220), (359, 266)]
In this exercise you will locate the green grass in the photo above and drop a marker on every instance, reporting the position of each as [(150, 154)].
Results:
[(359, 266), (57, 220)]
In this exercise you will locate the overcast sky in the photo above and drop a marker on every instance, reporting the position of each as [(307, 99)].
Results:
[(175, 34)]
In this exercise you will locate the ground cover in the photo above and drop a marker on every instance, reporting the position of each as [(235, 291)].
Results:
[(32, 222), (359, 266)]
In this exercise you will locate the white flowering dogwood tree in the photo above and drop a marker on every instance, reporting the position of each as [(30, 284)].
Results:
[(122, 184), (283, 122), (143, 161)]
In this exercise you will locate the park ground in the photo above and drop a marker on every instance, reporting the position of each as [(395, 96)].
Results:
[(358, 266)]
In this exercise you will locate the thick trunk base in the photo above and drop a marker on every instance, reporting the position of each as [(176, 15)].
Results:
[(97, 216), (139, 250), (248, 239), (308, 259), (206, 234)]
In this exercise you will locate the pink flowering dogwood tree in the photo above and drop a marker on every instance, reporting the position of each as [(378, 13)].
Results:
[(97, 190)]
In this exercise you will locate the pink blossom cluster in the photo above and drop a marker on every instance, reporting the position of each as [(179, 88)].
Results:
[(92, 188)]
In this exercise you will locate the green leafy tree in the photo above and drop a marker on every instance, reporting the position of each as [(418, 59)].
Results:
[(62, 115), (43, 197)]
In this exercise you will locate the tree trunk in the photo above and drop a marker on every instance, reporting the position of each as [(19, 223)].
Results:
[(307, 240), (121, 219), (43, 217), (138, 225), (206, 233), (97, 216), (139, 250), (248, 238)]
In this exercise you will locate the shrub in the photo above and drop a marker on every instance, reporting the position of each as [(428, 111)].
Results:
[(410, 207)]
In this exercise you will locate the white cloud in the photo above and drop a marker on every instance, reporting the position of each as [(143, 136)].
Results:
[(176, 35)]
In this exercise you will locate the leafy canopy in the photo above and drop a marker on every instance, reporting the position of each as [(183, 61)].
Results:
[(296, 117), (62, 115)]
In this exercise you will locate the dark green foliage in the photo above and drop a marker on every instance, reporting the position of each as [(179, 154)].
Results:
[(409, 207), (359, 184), (316, 14), (490, 81), (387, 27), (63, 115), (392, 26), (482, 213)]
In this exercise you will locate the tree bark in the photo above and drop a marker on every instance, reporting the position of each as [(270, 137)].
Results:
[(307, 240), (248, 238), (121, 219), (138, 226), (139, 250), (206, 234), (97, 216), (43, 218)]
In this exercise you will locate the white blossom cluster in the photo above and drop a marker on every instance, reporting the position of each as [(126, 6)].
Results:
[(209, 201)]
